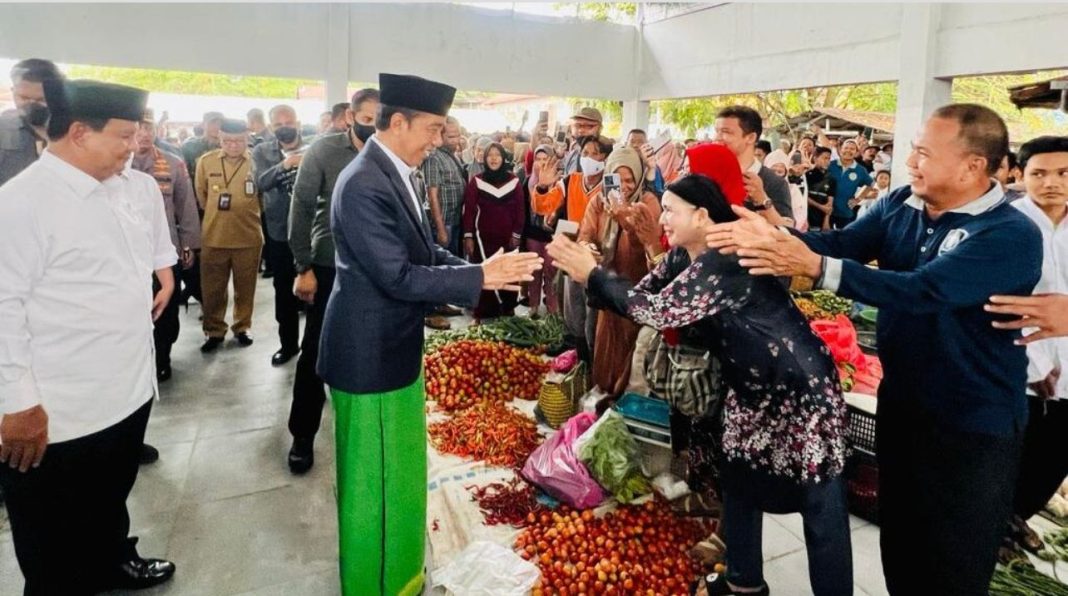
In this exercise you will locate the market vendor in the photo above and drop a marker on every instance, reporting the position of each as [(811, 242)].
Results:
[(390, 273), (952, 406)]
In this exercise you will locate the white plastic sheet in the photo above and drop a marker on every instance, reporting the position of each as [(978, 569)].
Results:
[(487, 569)]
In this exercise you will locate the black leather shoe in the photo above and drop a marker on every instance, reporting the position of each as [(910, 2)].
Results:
[(211, 344), (301, 456), (244, 339), (282, 356), (138, 574), (149, 454), (163, 373)]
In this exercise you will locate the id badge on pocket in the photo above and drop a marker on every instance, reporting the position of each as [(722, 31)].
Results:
[(250, 188), (224, 201)]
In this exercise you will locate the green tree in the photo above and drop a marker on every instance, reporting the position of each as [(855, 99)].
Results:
[(194, 83), (601, 11)]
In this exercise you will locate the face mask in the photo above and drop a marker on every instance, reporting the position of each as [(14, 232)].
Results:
[(36, 114), (590, 166), (286, 134), (363, 131)]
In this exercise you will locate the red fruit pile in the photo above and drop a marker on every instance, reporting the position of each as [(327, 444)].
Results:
[(490, 432), (637, 549), (466, 372)]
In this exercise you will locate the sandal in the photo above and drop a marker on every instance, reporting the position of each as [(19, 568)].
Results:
[(715, 584), (1025, 536), (1011, 552)]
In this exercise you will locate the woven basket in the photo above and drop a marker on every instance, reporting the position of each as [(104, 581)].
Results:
[(557, 400)]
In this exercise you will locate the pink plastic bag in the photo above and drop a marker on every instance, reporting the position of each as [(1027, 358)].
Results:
[(556, 469), (565, 362)]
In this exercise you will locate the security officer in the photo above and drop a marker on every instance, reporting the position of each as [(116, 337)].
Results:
[(232, 235), (22, 130)]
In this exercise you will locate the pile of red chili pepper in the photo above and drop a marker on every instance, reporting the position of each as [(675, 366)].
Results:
[(490, 432), (506, 503)]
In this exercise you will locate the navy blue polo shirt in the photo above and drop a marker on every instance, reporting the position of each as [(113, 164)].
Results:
[(937, 346), (847, 181)]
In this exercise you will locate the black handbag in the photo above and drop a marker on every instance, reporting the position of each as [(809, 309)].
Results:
[(687, 377)]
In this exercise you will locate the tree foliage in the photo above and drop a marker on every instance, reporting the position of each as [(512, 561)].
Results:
[(194, 83)]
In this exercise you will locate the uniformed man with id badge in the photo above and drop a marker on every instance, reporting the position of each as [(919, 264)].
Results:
[(232, 235)]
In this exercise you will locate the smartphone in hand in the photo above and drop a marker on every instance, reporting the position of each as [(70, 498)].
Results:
[(567, 228)]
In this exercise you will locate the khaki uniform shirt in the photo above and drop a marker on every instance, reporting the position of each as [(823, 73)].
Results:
[(236, 227)]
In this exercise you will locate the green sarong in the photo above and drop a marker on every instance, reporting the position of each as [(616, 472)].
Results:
[(381, 490)]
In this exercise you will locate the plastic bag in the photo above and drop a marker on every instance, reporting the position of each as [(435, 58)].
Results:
[(487, 569), (554, 467), (859, 372), (565, 362), (612, 456)]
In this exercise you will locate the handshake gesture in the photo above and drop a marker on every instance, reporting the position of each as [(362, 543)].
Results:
[(505, 271)]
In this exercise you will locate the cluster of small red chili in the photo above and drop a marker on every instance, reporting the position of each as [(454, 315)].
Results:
[(641, 549), (490, 431), (464, 373), (508, 503)]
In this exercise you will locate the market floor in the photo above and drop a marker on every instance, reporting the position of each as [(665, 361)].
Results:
[(223, 506)]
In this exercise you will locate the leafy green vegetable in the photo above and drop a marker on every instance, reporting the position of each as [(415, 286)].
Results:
[(518, 331), (611, 455), (1021, 579)]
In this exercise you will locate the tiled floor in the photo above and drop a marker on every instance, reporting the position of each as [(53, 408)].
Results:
[(223, 506)]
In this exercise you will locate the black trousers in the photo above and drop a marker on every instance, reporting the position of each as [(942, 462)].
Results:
[(68, 517), (944, 496), (309, 395), (286, 305), (165, 331), (1041, 470)]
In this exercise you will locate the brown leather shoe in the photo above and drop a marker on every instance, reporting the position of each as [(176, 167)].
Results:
[(447, 311), (438, 323)]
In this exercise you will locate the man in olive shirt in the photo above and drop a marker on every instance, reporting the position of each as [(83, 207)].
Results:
[(232, 234), (195, 147), (312, 244)]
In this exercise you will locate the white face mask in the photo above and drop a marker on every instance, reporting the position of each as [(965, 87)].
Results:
[(590, 166)]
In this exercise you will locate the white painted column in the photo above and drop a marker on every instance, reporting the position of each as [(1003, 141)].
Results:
[(919, 93), (337, 55), (635, 115)]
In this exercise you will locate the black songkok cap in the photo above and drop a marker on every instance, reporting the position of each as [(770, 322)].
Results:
[(233, 126), (416, 93), (83, 99)]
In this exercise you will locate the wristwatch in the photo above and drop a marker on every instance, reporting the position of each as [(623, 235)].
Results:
[(302, 269), (761, 207)]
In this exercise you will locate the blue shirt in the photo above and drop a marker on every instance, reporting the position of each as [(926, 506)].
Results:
[(938, 348), (848, 180)]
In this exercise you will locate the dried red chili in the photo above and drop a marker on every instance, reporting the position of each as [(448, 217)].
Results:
[(506, 503)]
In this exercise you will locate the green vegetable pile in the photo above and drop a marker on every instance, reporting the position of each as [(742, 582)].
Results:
[(1021, 579), (1056, 546), (611, 455), (831, 302), (547, 332)]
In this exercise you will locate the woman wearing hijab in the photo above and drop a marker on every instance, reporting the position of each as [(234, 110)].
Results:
[(784, 417), (494, 215), (622, 226), (479, 164), (539, 234)]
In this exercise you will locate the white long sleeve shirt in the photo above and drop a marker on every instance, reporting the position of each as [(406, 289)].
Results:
[(1045, 355), (76, 263)]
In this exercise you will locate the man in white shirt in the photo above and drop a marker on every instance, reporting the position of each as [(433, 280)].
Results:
[(81, 235), (1045, 162)]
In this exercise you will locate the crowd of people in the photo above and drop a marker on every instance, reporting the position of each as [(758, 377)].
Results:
[(389, 217)]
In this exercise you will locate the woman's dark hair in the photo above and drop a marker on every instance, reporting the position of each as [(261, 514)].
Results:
[(1040, 145), (703, 192), (881, 172)]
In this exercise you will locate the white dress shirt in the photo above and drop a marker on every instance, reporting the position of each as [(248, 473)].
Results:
[(1043, 356), (76, 294), (405, 172)]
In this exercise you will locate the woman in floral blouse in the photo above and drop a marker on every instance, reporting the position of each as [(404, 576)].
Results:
[(784, 419)]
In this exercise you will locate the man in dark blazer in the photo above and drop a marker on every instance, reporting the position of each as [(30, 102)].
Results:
[(390, 273)]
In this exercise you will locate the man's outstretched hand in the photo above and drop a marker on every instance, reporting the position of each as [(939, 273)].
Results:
[(505, 271)]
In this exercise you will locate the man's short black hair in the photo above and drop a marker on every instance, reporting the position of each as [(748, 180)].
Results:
[(636, 131), (689, 140), (364, 95), (58, 128), (604, 144), (1040, 145), (765, 145), (881, 172), (1012, 159), (338, 110), (386, 112), (821, 150), (34, 70), (748, 118), (982, 131)]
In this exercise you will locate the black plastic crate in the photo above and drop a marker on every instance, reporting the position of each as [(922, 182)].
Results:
[(861, 435)]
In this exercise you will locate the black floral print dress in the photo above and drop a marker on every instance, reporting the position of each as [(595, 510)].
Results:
[(784, 416)]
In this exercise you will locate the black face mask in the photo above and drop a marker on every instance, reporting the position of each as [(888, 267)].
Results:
[(286, 134), (36, 114), (363, 131)]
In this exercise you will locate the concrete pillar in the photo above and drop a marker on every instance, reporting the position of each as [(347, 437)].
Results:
[(337, 55), (635, 115), (918, 92)]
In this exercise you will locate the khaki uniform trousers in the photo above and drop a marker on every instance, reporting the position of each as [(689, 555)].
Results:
[(217, 266)]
